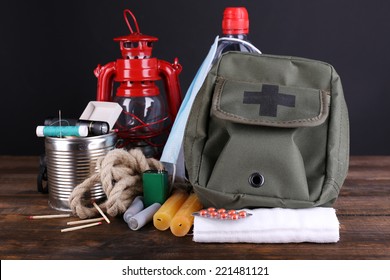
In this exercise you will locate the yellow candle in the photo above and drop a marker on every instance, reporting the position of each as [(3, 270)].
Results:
[(162, 218), (183, 220)]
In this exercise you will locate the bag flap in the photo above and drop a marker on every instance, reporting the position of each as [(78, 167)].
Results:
[(269, 104)]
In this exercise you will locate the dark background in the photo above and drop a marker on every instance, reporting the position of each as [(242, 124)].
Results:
[(49, 50)]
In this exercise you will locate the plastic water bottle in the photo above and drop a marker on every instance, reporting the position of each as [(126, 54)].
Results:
[(235, 30)]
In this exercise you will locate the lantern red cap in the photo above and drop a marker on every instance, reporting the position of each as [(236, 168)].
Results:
[(235, 21)]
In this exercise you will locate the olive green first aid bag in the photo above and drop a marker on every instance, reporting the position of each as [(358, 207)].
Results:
[(268, 131)]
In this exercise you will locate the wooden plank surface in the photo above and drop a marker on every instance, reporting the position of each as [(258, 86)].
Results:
[(363, 209)]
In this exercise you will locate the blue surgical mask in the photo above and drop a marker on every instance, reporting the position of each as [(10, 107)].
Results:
[(173, 154)]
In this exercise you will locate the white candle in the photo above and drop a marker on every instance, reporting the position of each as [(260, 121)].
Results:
[(145, 216), (136, 206)]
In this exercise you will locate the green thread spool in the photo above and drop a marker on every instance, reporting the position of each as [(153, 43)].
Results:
[(61, 131)]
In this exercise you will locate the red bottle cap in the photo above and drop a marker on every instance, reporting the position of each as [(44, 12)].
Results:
[(235, 21)]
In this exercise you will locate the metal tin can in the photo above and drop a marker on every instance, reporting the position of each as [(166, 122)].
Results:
[(72, 160)]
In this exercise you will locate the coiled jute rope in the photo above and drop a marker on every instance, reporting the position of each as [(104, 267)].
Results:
[(120, 174)]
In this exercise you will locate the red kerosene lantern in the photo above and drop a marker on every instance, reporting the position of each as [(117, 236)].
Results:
[(145, 120)]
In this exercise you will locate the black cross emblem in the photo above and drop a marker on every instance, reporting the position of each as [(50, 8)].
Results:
[(269, 98)]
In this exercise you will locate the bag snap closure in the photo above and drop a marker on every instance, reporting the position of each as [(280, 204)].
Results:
[(256, 180)]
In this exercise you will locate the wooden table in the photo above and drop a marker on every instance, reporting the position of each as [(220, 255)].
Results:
[(363, 209)]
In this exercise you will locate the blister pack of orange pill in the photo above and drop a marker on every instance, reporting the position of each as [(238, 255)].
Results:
[(222, 214)]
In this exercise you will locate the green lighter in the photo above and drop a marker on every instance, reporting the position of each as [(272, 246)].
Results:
[(155, 186)]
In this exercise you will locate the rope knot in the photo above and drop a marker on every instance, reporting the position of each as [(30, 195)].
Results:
[(119, 173)]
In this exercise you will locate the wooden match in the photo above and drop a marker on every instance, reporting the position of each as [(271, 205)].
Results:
[(101, 212), (84, 221), (80, 227), (49, 216)]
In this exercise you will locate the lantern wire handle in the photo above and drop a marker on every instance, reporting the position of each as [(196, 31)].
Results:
[(127, 21)]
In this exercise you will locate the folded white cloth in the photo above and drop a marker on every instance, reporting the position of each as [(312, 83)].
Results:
[(273, 225)]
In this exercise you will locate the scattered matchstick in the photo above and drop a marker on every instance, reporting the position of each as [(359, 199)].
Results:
[(80, 227), (84, 221), (101, 212), (49, 216)]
